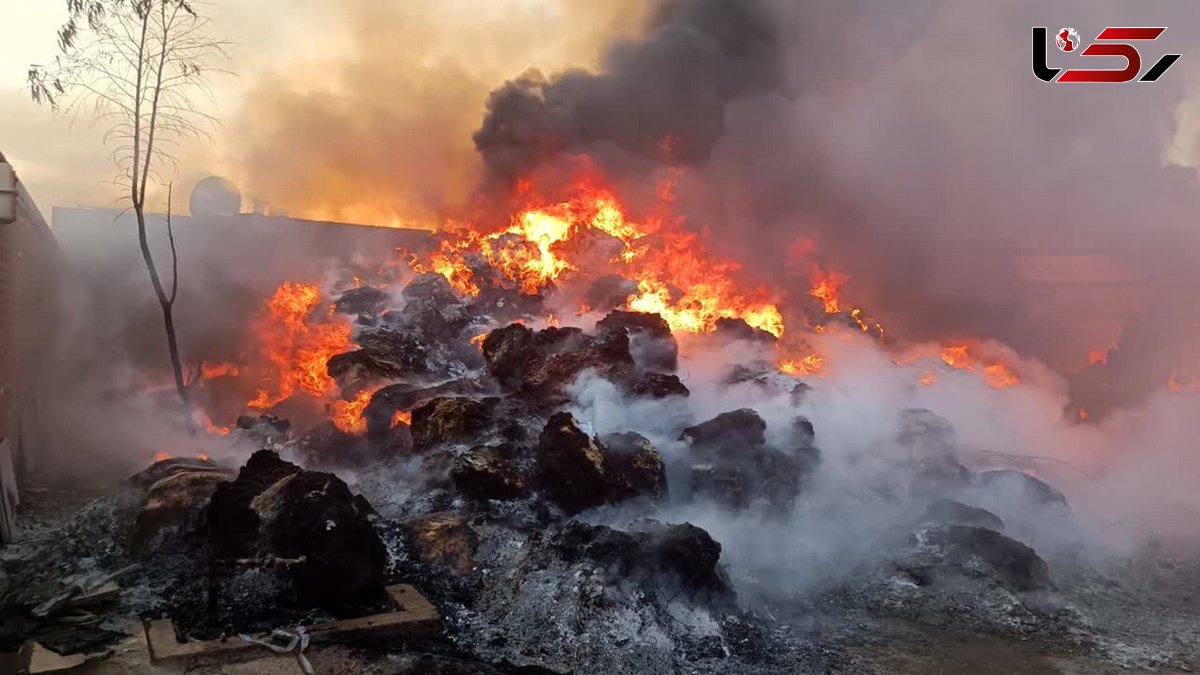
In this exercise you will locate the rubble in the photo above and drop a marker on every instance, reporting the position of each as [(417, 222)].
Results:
[(361, 300), (1017, 487)]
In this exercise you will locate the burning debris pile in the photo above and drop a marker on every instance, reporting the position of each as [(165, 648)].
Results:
[(603, 495)]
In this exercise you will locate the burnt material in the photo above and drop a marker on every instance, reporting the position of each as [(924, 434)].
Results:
[(632, 468), (950, 512), (445, 420), (733, 464), (1015, 564), (483, 473), (678, 556), (276, 509), (570, 465), (650, 340), (658, 385)]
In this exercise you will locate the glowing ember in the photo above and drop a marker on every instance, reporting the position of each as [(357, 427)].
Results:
[(927, 378), (161, 456), (401, 417), (1098, 356), (201, 456), (1083, 415)]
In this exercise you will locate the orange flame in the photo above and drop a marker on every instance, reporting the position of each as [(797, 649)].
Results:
[(348, 415), (211, 372), (1098, 356), (296, 350), (825, 288), (997, 374), (546, 242), (161, 456), (401, 417)]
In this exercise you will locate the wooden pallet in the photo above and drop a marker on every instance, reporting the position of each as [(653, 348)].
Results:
[(414, 615)]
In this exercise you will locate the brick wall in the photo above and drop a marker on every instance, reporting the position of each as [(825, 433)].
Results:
[(28, 259)]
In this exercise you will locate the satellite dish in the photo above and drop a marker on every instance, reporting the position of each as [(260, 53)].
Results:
[(215, 196)]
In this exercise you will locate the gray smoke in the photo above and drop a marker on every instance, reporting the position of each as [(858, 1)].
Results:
[(912, 145), (662, 95)]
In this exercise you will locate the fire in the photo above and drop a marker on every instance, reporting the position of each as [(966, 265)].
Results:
[(927, 378), (348, 415), (963, 356), (211, 372), (1083, 415), (825, 288), (162, 456), (548, 242), (201, 456), (807, 365), (956, 356), (297, 350), (1000, 375), (1098, 356), (401, 417)]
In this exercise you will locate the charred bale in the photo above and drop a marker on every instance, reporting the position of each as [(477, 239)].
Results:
[(950, 512), (168, 467), (483, 472), (447, 420), (177, 503), (361, 300), (632, 468), (432, 307), (609, 357), (682, 556), (570, 470), (509, 352), (264, 428), (738, 329), (658, 386), (274, 508), (650, 340), (733, 465), (728, 434), (1016, 565), (1011, 485), (380, 413)]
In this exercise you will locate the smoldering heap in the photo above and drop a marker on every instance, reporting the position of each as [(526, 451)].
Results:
[(543, 543)]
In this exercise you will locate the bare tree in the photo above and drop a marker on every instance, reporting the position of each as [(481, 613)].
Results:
[(133, 67)]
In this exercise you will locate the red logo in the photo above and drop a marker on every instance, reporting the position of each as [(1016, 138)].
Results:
[(1112, 41)]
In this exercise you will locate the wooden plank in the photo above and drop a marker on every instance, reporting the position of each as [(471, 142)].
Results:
[(414, 615)]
